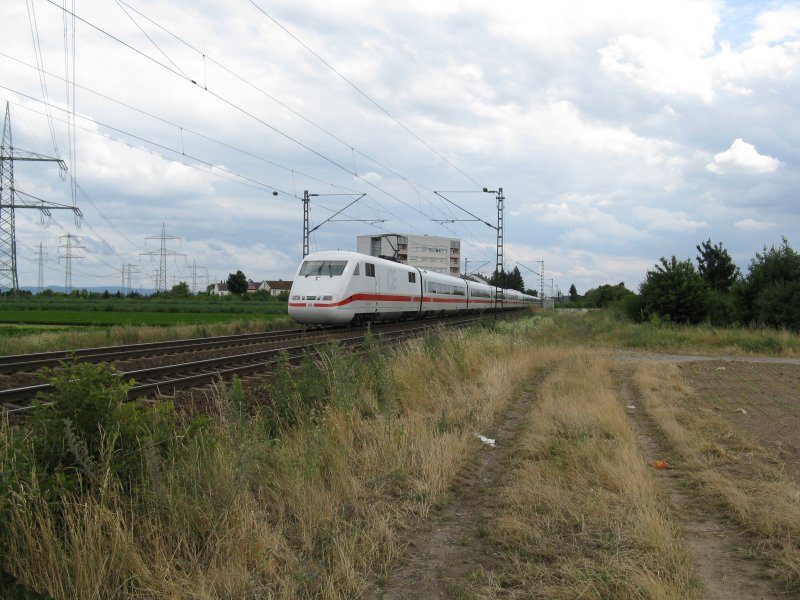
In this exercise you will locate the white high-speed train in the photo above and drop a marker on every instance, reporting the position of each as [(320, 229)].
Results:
[(339, 288)]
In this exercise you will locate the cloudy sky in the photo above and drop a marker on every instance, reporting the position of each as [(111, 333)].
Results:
[(620, 131)]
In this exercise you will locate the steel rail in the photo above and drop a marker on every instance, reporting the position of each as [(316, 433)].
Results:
[(181, 376), (30, 362)]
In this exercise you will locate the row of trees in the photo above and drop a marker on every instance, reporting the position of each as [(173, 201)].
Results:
[(510, 281), (715, 291)]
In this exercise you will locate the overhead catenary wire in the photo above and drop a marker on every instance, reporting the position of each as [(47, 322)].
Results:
[(179, 73), (182, 128), (238, 108), (277, 101), (213, 172), (37, 49), (266, 124), (362, 92), (236, 176)]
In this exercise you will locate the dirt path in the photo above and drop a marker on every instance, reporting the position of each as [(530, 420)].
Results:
[(454, 546), (717, 549)]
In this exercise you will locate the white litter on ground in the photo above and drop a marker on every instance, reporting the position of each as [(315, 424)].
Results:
[(485, 440)]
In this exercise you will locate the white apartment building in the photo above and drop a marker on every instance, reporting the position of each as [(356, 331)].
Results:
[(438, 254)]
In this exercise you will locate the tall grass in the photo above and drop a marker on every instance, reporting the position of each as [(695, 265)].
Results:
[(579, 515), (304, 495), (606, 329)]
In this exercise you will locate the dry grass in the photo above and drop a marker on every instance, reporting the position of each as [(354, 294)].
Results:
[(579, 514), (731, 471), (93, 337), (317, 513), (604, 328)]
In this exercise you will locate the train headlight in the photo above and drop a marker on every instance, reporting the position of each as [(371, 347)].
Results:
[(327, 297)]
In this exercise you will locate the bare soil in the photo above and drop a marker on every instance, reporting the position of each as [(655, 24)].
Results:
[(761, 399), (760, 396), (718, 549)]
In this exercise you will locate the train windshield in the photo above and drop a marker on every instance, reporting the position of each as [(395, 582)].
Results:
[(330, 268)]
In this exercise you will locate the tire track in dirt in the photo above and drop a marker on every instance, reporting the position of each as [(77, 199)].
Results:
[(717, 548), (454, 545)]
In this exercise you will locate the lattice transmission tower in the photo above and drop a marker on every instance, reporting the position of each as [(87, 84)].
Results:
[(71, 244), (128, 271), (41, 254), (163, 252), (12, 199)]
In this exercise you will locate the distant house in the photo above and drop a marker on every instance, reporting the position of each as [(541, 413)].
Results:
[(274, 288), (220, 289)]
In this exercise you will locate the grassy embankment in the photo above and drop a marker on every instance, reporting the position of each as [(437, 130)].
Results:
[(309, 493), (305, 496)]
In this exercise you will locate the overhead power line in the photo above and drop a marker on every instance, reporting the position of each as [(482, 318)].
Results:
[(362, 92), (258, 119), (174, 69)]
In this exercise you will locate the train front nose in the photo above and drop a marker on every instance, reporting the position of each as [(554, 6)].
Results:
[(315, 309)]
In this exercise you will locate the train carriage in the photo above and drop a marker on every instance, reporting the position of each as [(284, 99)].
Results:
[(345, 287), (339, 288)]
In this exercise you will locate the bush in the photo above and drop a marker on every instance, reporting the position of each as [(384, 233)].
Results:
[(770, 294), (87, 428), (674, 291)]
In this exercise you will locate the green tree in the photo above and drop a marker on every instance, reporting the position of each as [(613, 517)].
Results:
[(515, 281), (573, 293), (180, 290), (770, 294), (674, 290), (237, 283), (604, 295), (716, 266)]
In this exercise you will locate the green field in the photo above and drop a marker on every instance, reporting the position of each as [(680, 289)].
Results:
[(94, 311), (89, 318)]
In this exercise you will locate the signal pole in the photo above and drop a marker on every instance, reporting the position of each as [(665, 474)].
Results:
[(307, 231), (541, 281)]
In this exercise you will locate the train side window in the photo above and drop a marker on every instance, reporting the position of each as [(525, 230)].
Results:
[(412, 278), (356, 270), (369, 269)]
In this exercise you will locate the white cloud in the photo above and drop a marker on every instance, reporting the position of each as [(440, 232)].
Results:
[(584, 224), (742, 157), (740, 72), (660, 219), (657, 67), (752, 225), (776, 26)]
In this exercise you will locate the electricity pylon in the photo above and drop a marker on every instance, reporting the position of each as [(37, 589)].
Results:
[(68, 256), (42, 254), (12, 199), (162, 253)]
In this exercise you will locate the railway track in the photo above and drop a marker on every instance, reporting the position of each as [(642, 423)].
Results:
[(166, 379), (33, 362)]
